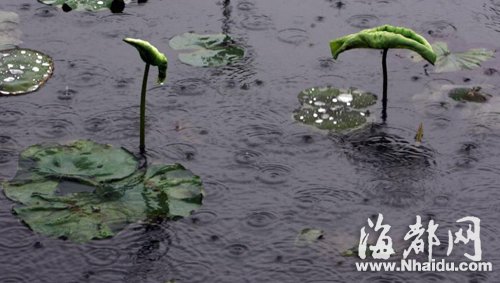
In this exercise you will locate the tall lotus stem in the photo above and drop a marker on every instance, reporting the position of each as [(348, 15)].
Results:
[(384, 88), (151, 56), (142, 143)]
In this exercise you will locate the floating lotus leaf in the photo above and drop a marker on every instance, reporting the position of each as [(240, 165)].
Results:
[(83, 159), (23, 70), (209, 50), (448, 61), (474, 94), (329, 108), (150, 55), (10, 35), (114, 196), (88, 5), (384, 37)]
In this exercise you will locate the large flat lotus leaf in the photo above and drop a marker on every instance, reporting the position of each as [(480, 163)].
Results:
[(83, 160), (10, 35), (168, 191), (206, 50), (329, 108), (448, 61), (85, 5), (23, 70)]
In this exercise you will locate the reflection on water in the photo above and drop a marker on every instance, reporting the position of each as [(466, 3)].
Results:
[(266, 177)]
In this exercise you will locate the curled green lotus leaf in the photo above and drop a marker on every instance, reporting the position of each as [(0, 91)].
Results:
[(10, 34), (206, 50), (88, 5), (81, 207), (384, 37), (23, 70), (329, 108), (150, 55)]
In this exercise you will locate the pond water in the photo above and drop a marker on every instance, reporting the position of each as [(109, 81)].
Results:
[(266, 176)]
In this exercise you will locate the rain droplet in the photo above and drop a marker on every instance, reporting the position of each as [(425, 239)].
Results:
[(9, 79), (16, 72), (345, 97), (319, 121), (35, 69)]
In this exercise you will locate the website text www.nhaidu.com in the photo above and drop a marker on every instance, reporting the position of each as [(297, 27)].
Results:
[(416, 266)]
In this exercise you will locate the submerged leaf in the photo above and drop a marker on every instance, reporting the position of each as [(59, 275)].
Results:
[(420, 133), (10, 34), (206, 50), (334, 109), (50, 203), (308, 236), (474, 94), (88, 5), (384, 37), (150, 55), (448, 61), (23, 70)]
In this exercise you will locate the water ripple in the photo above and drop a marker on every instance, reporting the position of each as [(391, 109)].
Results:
[(247, 156), (293, 36), (363, 21), (260, 219), (256, 22), (274, 174), (438, 29)]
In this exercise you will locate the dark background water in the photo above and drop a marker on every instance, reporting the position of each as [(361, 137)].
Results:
[(266, 176)]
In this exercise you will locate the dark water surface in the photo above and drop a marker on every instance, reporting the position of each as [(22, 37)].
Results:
[(266, 176)]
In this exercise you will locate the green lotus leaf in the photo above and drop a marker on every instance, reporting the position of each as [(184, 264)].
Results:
[(172, 190), (448, 61), (50, 199), (10, 34), (150, 55), (474, 94), (208, 50), (329, 108), (87, 5), (23, 70), (83, 160), (384, 37)]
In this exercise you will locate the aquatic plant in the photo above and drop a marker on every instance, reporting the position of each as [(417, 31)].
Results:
[(151, 56), (85, 190), (448, 61), (384, 37), (21, 70), (206, 50), (116, 6), (334, 109)]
